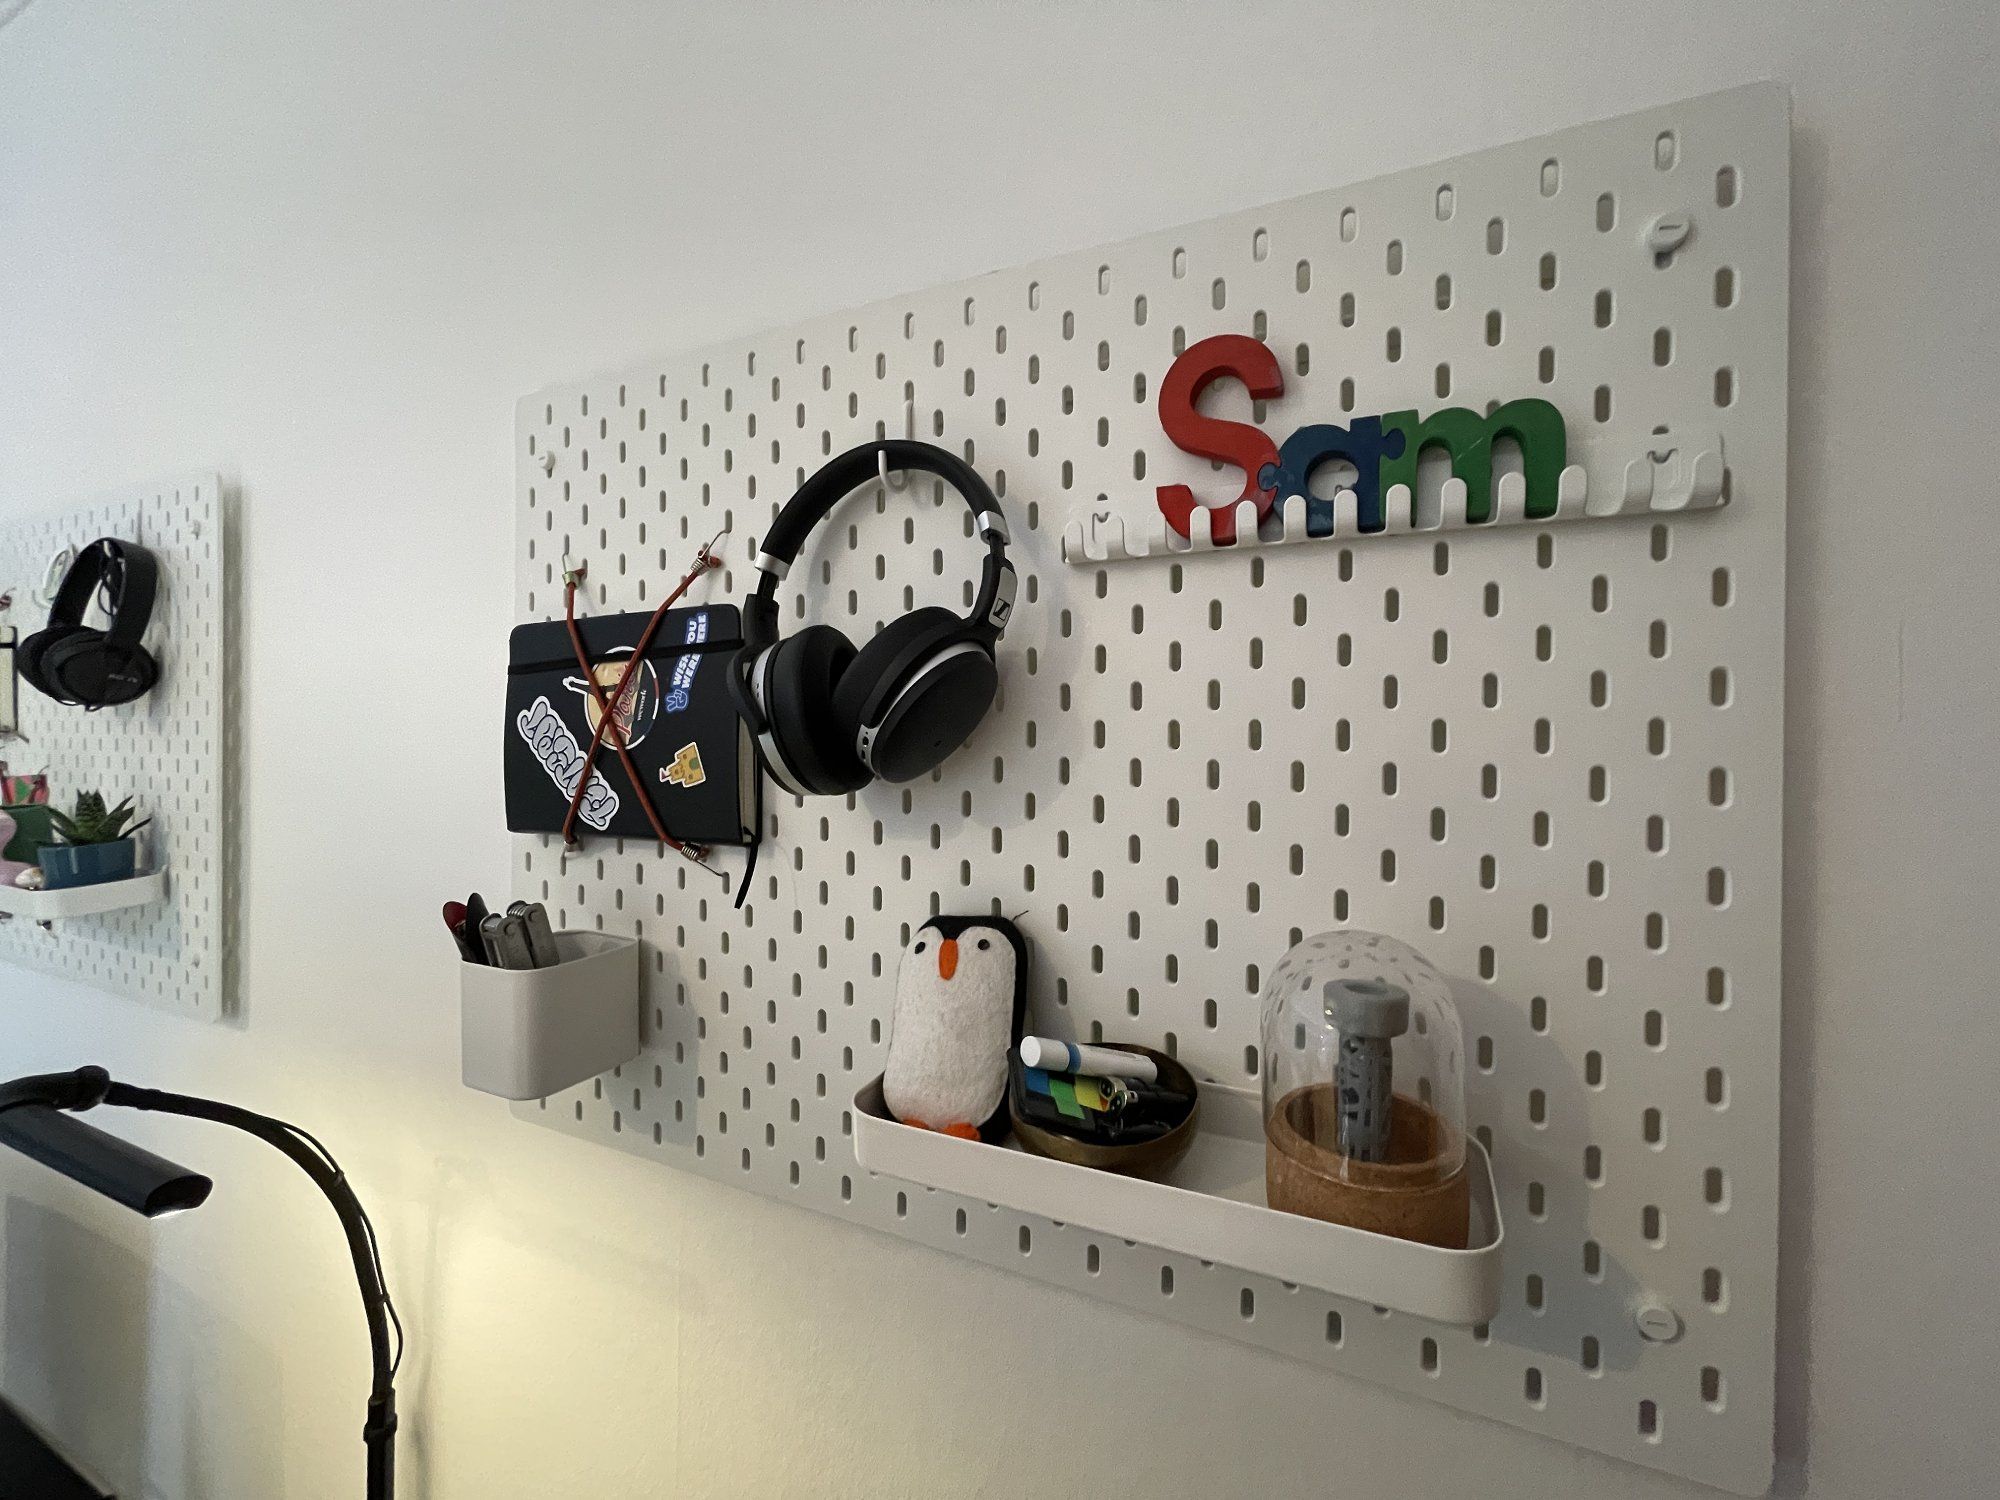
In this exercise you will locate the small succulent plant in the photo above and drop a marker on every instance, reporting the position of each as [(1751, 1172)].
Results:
[(93, 823)]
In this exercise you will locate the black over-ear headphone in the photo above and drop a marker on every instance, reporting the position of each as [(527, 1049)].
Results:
[(88, 668), (830, 719)]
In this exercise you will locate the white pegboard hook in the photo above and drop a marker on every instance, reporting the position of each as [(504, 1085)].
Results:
[(901, 480), (52, 576)]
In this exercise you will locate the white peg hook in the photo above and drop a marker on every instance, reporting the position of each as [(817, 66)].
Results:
[(53, 574), (901, 480)]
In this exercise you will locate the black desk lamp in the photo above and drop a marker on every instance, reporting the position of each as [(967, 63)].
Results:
[(32, 1121)]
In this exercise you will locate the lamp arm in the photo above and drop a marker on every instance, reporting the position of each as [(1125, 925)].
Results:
[(379, 1431), (78, 1090), (88, 1087)]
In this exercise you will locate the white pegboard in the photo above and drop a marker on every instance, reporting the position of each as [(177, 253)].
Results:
[(1549, 756), (167, 750)]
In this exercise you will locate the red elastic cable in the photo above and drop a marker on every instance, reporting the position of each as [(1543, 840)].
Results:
[(607, 719)]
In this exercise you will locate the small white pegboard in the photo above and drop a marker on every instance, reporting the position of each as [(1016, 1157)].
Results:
[(1549, 756), (167, 750)]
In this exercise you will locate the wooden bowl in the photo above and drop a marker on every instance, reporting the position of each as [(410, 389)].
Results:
[(1146, 1158)]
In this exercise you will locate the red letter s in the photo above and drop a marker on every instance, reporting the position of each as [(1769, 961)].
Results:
[(1235, 443)]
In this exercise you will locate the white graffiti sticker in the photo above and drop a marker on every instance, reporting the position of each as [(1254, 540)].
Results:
[(553, 744)]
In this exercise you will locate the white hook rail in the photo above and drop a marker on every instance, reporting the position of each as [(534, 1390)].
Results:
[(1680, 471)]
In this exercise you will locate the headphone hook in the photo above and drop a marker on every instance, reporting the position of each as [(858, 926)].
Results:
[(901, 481), (52, 575)]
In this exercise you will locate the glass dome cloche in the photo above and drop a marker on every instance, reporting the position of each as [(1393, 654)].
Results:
[(1364, 1089)]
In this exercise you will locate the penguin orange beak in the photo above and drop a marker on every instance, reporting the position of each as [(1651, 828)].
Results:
[(947, 958)]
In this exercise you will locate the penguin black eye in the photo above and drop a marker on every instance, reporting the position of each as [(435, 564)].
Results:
[(984, 944), (920, 947)]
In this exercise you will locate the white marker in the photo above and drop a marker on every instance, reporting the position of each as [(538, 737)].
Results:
[(1092, 1062)]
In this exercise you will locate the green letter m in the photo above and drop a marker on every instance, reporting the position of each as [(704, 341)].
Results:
[(1534, 425)]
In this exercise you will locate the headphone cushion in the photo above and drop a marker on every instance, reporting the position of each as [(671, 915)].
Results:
[(897, 647), (923, 732), (85, 667), (33, 653), (806, 671)]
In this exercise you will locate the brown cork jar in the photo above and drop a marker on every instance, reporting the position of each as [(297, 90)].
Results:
[(1422, 1192)]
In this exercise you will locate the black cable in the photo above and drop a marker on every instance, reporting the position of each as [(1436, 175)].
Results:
[(368, 1227)]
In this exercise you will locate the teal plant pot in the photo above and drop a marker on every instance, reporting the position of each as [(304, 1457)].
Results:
[(64, 865)]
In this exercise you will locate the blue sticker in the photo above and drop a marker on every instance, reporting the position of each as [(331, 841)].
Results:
[(684, 669)]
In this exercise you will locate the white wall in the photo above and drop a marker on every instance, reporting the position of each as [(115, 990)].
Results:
[(327, 246)]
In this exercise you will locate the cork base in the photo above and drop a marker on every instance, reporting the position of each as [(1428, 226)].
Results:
[(1421, 1193)]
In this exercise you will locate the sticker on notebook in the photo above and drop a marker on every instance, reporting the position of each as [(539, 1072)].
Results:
[(638, 705), (685, 769), (682, 681), (543, 731)]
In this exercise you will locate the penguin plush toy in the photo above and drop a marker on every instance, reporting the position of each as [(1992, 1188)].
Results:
[(961, 1002)]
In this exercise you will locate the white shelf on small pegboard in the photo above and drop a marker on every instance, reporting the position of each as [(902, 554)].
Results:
[(82, 900)]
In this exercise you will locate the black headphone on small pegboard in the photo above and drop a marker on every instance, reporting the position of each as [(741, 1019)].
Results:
[(82, 666)]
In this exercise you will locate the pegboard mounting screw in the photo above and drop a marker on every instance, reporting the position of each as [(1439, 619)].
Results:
[(1657, 1322), (1666, 234)]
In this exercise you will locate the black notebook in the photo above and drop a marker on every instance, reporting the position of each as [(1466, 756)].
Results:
[(694, 753)]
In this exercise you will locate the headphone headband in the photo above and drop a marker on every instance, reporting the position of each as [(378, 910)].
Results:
[(841, 475), (138, 578)]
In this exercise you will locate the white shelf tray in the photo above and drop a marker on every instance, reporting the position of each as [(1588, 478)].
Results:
[(82, 900), (1210, 1205)]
